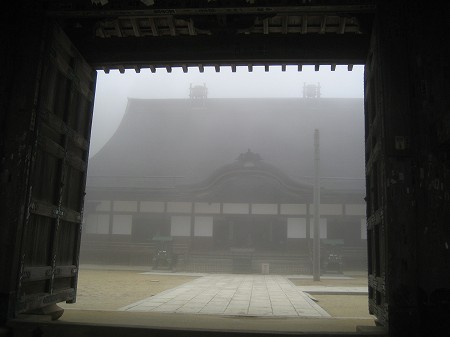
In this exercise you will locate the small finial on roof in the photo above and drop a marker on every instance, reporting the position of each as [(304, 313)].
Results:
[(198, 91), (249, 156)]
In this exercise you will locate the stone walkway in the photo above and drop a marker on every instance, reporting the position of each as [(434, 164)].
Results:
[(234, 295)]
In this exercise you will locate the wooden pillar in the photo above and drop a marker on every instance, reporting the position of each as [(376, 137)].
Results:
[(316, 237)]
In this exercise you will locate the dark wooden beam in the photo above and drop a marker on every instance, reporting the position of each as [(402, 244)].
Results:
[(342, 23), (284, 24), (304, 24), (134, 24), (171, 23), (323, 24), (191, 27), (239, 50), (153, 27), (126, 8), (266, 26), (118, 29)]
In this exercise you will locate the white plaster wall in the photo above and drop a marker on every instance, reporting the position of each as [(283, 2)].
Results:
[(122, 224), (179, 207), (90, 224), (152, 206), (124, 206), (203, 226), (355, 209), (180, 225), (235, 208), (328, 209), (97, 224), (207, 208), (293, 209), (103, 224), (103, 206), (296, 228), (265, 209)]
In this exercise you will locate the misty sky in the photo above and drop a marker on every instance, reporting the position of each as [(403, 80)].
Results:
[(114, 88)]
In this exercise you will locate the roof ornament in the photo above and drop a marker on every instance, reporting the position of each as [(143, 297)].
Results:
[(198, 91), (311, 90), (249, 158)]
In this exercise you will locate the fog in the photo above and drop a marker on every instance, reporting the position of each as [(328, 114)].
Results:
[(114, 88), (183, 194)]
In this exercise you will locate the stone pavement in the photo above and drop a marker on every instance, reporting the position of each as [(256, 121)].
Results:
[(234, 295)]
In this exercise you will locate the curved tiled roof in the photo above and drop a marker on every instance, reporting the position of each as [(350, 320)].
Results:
[(249, 178), (185, 142)]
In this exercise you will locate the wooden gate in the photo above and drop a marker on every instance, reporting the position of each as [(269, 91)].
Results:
[(375, 198), (52, 228), (390, 165)]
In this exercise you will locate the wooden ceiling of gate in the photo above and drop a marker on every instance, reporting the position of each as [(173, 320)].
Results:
[(150, 34)]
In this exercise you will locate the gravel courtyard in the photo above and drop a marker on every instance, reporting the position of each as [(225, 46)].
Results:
[(101, 288), (104, 289)]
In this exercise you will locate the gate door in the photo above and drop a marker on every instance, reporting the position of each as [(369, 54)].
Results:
[(52, 229)]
